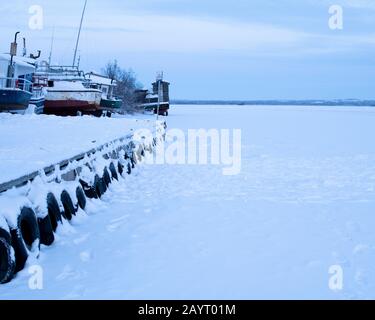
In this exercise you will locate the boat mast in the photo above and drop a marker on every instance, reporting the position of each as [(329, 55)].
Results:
[(52, 42), (79, 34)]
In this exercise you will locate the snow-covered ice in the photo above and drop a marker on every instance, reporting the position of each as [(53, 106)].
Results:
[(304, 201)]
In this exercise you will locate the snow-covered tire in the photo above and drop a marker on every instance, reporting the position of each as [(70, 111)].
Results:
[(5, 235), (81, 198), (54, 212), (113, 171), (69, 210), (90, 191), (106, 177), (25, 236), (46, 231), (7, 262), (100, 187), (133, 160), (120, 168), (104, 185)]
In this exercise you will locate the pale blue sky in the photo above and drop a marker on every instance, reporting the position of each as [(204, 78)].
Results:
[(243, 49)]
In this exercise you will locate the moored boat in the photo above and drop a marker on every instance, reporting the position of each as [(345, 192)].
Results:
[(157, 99), (66, 94), (17, 89), (15, 85), (109, 103)]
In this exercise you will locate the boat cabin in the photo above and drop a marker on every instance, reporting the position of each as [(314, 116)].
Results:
[(16, 75)]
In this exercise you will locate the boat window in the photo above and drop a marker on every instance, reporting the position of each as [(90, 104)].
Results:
[(51, 83)]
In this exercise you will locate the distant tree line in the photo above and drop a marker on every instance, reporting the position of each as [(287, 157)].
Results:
[(127, 84)]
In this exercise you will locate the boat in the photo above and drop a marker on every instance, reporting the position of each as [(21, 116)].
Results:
[(15, 86), (109, 103), (17, 89), (66, 93), (155, 100)]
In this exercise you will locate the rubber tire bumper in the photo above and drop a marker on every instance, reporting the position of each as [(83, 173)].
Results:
[(90, 191), (106, 177), (53, 211), (100, 186), (120, 168), (46, 231), (113, 171), (5, 235), (81, 198), (24, 236), (69, 210), (7, 262)]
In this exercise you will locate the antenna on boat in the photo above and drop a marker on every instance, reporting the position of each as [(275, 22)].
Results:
[(52, 42), (79, 34), (24, 52)]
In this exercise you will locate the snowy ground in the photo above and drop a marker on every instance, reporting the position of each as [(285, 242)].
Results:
[(30, 142), (304, 201)]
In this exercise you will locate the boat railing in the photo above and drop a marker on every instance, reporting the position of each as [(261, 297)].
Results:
[(65, 71), (15, 83)]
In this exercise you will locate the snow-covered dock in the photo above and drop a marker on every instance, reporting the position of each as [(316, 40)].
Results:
[(51, 166), (31, 143)]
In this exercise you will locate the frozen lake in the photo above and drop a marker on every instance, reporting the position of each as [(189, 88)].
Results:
[(303, 202)]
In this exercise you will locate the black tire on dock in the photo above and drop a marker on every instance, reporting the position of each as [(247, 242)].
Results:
[(99, 186), (68, 205), (81, 198), (46, 231), (7, 263), (120, 168), (25, 236), (104, 185), (54, 212), (133, 160), (106, 177), (113, 171), (5, 235), (89, 191)]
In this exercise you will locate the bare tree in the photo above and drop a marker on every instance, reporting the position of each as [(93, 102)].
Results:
[(112, 70), (127, 84)]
